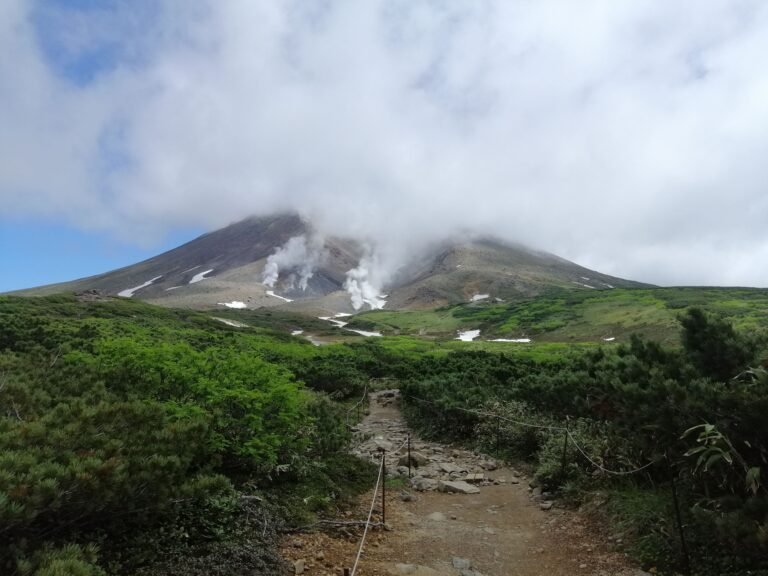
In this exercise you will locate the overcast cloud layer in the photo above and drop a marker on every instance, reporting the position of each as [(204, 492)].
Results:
[(630, 136)]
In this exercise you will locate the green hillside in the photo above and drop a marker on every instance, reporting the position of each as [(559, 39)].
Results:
[(579, 316), (138, 440)]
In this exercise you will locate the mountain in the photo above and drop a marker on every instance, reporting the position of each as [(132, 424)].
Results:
[(229, 267)]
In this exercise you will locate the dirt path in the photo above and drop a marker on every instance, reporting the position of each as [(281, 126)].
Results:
[(500, 529)]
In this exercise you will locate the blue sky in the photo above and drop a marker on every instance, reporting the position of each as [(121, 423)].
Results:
[(36, 252), (627, 136)]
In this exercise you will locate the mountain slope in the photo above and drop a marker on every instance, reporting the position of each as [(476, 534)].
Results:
[(308, 272)]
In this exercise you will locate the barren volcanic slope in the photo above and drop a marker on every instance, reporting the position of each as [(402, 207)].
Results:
[(304, 271)]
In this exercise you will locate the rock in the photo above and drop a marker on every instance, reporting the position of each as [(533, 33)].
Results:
[(320, 555), (457, 486), (299, 566), (384, 445), (437, 517), (417, 459), (489, 465), (474, 478), (546, 505), (413, 570), (448, 467), (514, 480), (297, 543), (406, 496), (461, 563), (423, 484)]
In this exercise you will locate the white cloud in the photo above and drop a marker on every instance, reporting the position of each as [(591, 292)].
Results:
[(629, 135)]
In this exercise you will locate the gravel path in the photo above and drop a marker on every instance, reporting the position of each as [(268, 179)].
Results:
[(439, 525)]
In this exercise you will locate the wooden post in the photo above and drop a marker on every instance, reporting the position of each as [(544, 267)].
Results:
[(564, 461), (409, 454), (383, 487), (498, 434), (679, 519)]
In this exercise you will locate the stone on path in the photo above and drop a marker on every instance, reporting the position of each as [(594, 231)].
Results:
[(423, 484), (474, 478), (299, 566), (458, 487), (448, 467), (437, 517), (414, 570), (417, 459), (461, 563), (383, 444)]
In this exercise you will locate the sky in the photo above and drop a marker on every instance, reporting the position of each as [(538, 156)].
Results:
[(630, 136)]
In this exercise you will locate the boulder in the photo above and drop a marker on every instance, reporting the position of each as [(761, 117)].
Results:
[(461, 563), (457, 486), (423, 484), (417, 459)]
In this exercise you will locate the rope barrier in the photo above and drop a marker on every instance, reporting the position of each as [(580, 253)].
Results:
[(546, 427), (368, 521), (606, 470), (359, 402)]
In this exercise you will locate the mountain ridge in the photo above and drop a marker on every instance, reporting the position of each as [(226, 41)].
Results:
[(281, 260)]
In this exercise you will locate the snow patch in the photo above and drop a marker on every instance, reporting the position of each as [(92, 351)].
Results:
[(129, 292), (585, 278), (366, 334), (333, 321), (172, 288), (233, 323), (584, 285), (297, 332), (611, 339), (233, 304), (608, 285), (200, 277), (478, 297), (272, 293), (518, 340), (468, 335)]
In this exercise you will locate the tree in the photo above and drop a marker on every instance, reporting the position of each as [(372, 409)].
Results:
[(714, 347)]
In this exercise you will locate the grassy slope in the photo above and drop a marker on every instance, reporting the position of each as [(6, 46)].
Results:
[(580, 316)]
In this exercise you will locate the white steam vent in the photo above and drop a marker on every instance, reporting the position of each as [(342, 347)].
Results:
[(300, 256), (362, 287)]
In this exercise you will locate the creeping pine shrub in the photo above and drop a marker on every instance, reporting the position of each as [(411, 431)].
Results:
[(508, 439), (70, 560)]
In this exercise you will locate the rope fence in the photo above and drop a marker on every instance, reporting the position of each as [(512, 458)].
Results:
[(370, 515), (564, 429)]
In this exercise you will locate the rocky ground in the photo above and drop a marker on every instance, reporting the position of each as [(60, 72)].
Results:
[(459, 514)]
